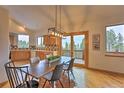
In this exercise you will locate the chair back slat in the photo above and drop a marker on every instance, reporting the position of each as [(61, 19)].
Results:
[(13, 77), (57, 72), (71, 63), (9, 77), (16, 75), (10, 74)]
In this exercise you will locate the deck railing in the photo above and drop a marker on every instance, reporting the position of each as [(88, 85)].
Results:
[(77, 53)]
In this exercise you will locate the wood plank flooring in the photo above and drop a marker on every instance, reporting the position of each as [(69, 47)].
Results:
[(87, 78)]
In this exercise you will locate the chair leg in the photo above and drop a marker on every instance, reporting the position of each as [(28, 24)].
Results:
[(61, 83), (52, 84), (68, 77), (49, 83), (72, 74), (44, 84)]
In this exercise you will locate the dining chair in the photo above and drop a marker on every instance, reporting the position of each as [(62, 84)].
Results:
[(69, 68), (54, 76), (34, 59), (19, 77)]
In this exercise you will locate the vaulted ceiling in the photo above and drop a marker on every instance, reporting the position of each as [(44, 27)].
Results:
[(42, 17)]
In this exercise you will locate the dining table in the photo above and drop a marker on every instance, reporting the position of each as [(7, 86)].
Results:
[(42, 67)]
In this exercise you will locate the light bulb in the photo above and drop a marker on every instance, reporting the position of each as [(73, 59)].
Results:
[(58, 34), (52, 33), (55, 34)]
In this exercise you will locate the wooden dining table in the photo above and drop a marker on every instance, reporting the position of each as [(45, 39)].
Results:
[(40, 68)]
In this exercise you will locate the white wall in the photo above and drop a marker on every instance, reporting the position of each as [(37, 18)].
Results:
[(32, 39), (97, 59), (4, 42)]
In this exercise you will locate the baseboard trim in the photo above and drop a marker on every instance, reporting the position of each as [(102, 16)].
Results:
[(80, 66), (102, 70), (3, 83)]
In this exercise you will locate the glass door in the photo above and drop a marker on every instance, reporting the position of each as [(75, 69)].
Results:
[(66, 46), (78, 48), (77, 45)]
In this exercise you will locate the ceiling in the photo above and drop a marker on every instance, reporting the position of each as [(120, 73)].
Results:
[(73, 17)]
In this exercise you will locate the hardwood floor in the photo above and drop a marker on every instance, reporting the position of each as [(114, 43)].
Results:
[(87, 78)]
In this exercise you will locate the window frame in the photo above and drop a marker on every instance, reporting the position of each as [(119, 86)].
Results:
[(112, 54)]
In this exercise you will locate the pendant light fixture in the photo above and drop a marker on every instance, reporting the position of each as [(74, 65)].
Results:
[(57, 29)]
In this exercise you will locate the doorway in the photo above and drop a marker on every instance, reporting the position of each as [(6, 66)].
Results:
[(75, 45)]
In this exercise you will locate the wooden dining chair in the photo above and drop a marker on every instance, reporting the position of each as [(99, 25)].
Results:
[(53, 76), (69, 68), (19, 77)]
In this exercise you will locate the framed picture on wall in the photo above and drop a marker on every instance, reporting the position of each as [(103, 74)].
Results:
[(96, 41)]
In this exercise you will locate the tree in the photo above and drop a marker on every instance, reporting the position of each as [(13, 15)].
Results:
[(75, 46), (69, 46), (111, 40), (78, 46), (82, 44), (120, 42), (23, 44), (66, 45)]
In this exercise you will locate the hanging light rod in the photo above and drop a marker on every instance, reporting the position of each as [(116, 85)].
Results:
[(57, 30)]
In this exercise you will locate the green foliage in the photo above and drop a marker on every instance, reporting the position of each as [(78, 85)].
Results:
[(114, 41), (66, 45), (119, 46), (23, 44), (52, 58), (76, 47), (82, 44)]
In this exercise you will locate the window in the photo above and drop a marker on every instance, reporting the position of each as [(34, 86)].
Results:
[(66, 46), (40, 42), (115, 38), (23, 41), (66, 43)]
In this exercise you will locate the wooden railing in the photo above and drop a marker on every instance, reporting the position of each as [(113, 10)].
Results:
[(77, 53)]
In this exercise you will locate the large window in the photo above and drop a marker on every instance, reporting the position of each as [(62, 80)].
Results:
[(40, 42), (115, 38), (23, 41)]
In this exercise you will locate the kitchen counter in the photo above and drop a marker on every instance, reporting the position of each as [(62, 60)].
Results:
[(17, 55)]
